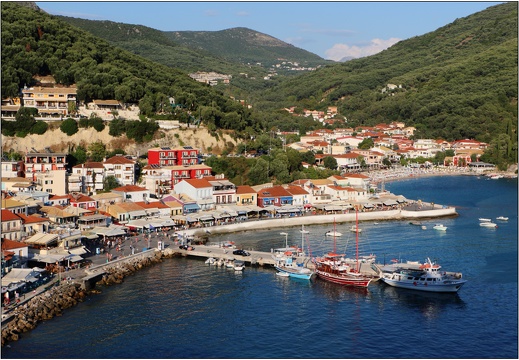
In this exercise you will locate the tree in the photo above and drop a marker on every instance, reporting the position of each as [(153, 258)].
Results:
[(39, 128), (97, 151), (110, 183), (24, 120), (258, 172), (330, 162), (366, 144), (69, 126)]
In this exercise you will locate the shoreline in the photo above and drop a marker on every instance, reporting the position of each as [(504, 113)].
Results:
[(434, 211)]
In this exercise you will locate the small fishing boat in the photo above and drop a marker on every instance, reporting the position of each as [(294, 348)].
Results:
[(440, 227), (286, 259), (424, 227), (238, 265), (230, 263), (422, 277), (502, 218), (210, 261), (355, 229), (333, 233), (488, 224), (485, 220), (282, 274)]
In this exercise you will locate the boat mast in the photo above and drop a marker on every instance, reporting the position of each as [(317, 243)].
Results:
[(357, 236), (303, 238), (334, 237)]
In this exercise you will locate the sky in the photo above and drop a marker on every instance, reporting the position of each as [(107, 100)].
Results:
[(333, 30)]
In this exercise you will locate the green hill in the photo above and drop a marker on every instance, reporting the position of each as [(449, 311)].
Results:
[(155, 45), (35, 43), (246, 46), (457, 82)]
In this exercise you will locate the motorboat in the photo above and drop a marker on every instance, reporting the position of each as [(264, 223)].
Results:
[(485, 220), (440, 227), (282, 274), (355, 229), (424, 227), (488, 224), (220, 262), (239, 265), (333, 233), (210, 261), (502, 218), (417, 223), (230, 263), (426, 276)]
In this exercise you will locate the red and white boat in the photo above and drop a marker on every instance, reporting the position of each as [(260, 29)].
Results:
[(333, 268)]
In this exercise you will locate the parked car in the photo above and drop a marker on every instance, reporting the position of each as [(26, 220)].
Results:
[(186, 247), (241, 252)]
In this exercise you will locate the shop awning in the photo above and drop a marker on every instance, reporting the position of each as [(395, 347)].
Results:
[(137, 213), (78, 250), (42, 239), (191, 207)]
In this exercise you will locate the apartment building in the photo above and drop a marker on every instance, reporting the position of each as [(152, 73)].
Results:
[(40, 162), (122, 168), (166, 156), (50, 100)]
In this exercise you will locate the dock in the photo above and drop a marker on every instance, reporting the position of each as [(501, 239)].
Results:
[(260, 258)]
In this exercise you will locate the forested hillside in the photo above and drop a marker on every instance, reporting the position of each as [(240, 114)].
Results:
[(35, 43), (459, 81), (245, 46), (155, 45)]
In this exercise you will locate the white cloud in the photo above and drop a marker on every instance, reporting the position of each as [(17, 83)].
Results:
[(242, 13), (341, 51)]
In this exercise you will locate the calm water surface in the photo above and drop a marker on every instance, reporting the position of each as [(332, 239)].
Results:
[(182, 308)]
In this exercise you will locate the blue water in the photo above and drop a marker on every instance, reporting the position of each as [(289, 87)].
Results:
[(182, 308)]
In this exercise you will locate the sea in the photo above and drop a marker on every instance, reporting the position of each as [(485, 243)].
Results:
[(183, 308)]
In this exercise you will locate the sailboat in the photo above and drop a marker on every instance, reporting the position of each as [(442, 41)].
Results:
[(286, 259), (332, 267)]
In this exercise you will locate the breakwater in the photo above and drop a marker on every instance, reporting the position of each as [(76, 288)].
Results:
[(67, 294), (435, 211)]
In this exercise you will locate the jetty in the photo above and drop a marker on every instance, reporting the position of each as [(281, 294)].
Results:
[(435, 211), (260, 258)]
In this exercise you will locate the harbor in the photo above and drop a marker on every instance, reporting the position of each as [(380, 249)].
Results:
[(180, 299)]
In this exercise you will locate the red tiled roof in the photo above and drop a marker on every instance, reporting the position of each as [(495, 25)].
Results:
[(129, 188), (32, 219), (10, 244), (273, 191), (198, 183), (245, 189), (151, 205), (296, 190), (119, 160), (90, 165), (8, 215)]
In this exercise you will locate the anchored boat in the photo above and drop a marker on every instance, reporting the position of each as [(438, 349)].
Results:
[(422, 277)]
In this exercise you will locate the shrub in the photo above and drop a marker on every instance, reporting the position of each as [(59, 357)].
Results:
[(69, 126), (39, 128)]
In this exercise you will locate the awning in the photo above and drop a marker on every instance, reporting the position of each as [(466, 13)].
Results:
[(206, 218), (109, 231), (42, 239), (332, 208), (78, 250), (390, 202), (190, 207), (137, 213)]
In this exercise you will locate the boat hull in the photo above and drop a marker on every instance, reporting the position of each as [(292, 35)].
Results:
[(451, 287), (296, 273), (344, 279)]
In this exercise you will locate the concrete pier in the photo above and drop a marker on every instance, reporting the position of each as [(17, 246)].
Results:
[(436, 211)]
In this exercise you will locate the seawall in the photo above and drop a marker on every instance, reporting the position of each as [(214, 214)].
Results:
[(398, 214)]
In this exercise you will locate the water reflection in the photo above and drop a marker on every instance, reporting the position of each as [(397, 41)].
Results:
[(429, 304), (340, 292)]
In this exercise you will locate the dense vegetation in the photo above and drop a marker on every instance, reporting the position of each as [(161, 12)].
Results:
[(155, 45), (245, 46), (457, 82), (35, 43)]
